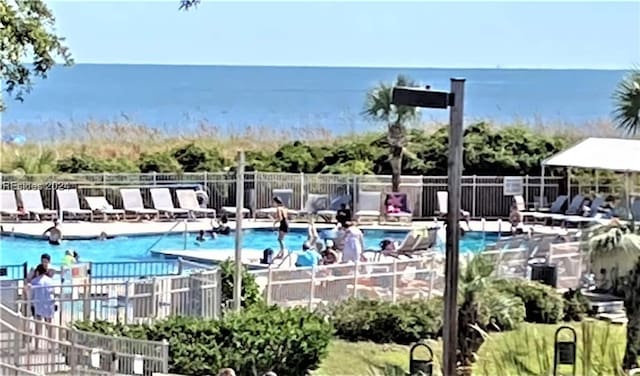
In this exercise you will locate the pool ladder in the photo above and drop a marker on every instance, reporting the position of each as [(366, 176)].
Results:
[(169, 232)]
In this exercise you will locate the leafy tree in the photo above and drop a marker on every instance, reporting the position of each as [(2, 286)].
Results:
[(627, 103), (27, 32), (379, 107)]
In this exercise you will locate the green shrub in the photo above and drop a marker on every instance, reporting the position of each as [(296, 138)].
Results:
[(543, 304), (194, 158), (575, 305), (384, 322), (500, 311), (256, 340), (159, 162), (250, 289)]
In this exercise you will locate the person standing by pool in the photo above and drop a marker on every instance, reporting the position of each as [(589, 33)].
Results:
[(42, 299), (343, 215), (353, 243), (45, 262), (282, 222), (54, 233)]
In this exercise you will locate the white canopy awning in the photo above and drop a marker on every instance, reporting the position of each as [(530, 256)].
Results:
[(615, 154)]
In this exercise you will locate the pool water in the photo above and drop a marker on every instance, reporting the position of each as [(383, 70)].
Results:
[(14, 250)]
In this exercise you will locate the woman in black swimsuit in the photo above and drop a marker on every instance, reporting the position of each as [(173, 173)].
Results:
[(282, 222)]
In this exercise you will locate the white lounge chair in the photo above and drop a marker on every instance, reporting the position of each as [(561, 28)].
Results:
[(187, 200), (100, 205), (163, 203), (68, 203), (132, 203), (315, 203), (443, 198), (406, 245), (32, 203), (9, 206), (286, 195), (368, 205), (329, 213)]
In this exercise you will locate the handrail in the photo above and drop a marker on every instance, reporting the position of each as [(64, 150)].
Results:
[(162, 237)]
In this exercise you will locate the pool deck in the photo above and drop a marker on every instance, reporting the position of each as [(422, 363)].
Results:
[(91, 230)]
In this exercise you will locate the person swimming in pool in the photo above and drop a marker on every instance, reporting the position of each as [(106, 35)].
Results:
[(282, 222), (200, 238), (222, 228), (54, 233)]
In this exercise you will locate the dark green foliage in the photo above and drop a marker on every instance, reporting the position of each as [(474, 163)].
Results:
[(499, 310), (575, 305), (385, 322), (543, 303), (250, 289), (257, 340), (488, 151), (630, 291)]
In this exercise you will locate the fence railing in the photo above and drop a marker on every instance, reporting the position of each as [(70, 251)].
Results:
[(197, 294), (482, 196), (29, 347)]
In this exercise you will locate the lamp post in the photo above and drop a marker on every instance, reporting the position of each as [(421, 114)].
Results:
[(425, 98), (237, 281)]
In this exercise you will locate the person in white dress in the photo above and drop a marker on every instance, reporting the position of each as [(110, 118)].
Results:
[(353, 243)]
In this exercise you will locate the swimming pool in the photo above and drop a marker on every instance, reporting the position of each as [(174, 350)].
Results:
[(15, 250)]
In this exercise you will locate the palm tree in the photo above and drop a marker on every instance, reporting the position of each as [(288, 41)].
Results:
[(379, 107), (627, 103), (616, 249)]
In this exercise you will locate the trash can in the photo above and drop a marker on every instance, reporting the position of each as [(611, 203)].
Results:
[(545, 273)]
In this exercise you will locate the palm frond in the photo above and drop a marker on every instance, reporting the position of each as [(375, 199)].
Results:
[(627, 103)]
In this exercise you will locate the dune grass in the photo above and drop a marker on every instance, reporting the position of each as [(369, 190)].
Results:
[(526, 351)]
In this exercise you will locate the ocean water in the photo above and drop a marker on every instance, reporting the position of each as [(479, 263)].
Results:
[(179, 98)]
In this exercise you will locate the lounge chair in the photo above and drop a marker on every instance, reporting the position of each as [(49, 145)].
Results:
[(443, 198), (315, 202), (400, 201), (9, 206), (163, 203), (407, 244), (32, 203), (368, 205), (100, 205), (590, 216), (329, 214), (68, 203), (422, 244), (286, 195), (574, 209), (556, 208), (132, 203), (187, 200)]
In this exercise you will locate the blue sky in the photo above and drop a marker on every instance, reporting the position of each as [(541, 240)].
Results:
[(357, 33)]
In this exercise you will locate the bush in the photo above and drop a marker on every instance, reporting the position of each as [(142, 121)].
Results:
[(575, 305), (159, 162), (384, 322), (250, 289), (543, 304), (193, 158), (256, 340), (500, 310)]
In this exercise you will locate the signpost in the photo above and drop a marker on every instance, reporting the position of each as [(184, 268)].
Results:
[(419, 97)]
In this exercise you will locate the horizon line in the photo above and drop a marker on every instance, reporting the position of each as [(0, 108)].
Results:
[(497, 67)]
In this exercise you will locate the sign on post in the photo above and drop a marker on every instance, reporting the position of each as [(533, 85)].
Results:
[(564, 352), (513, 186)]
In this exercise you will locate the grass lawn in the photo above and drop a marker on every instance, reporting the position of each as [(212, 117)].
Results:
[(526, 351)]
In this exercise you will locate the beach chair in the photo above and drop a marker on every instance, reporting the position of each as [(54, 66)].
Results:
[(368, 205), (100, 205), (574, 209), (32, 203), (187, 200), (329, 214), (556, 208), (443, 198), (286, 195), (407, 244), (9, 206), (163, 203), (398, 200), (591, 216), (68, 203), (315, 203), (424, 244), (132, 203)]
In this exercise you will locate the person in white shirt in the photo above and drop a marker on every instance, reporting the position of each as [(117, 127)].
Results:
[(353, 243)]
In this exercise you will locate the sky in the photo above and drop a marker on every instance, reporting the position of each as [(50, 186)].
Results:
[(592, 35)]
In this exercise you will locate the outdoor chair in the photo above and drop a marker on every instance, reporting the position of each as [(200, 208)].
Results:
[(329, 214), (132, 203), (591, 216), (400, 201), (575, 208), (443, 198), (32, 203), (368, 205), (163, 203), (556, 208), (315, 203), (187, 200), (69, 203), (9, 206), (100, 205)]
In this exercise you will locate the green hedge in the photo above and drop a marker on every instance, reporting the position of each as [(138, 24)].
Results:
[(543, 304), (259, 339), (488, 150)]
